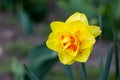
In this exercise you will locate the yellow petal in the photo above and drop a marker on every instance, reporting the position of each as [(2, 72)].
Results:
[(52, 41), (76, 26), (87, 40), (77, 17), (94, 30), (57, 26), (65, 58), (83, 57)]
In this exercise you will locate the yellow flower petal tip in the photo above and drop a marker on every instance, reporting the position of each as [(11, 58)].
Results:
[(78, 17), (73, 39)]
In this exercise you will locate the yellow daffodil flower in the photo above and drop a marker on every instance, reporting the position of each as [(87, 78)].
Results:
[(73, 39)]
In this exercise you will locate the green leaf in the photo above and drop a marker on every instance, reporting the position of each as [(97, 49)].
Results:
[(26, 22), (41, 60), (30, 73), (115, 44), (17, 69), (108, 63), (118, 76)]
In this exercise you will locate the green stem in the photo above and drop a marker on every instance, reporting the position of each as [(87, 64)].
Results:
[(101, 58), (69, 72), (84, 73)]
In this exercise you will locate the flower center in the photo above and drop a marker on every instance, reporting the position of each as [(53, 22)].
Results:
[(69, 42)]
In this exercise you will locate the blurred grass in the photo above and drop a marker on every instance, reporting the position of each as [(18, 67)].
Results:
[(5, 67), (18, 48)]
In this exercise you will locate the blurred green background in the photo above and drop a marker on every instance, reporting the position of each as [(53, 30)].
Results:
[(24, 28)]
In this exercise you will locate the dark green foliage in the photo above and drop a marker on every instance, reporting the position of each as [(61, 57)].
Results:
[(115, 45), (28, 11), (25, 20), (30, 74), (36, 9), (41, 60), (119, 76), (108, 63)]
